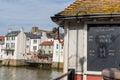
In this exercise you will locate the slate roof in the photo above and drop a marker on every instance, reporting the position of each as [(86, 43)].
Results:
[(87, 7), (28, 34), (32, 36), (54, 35), (12, 34)]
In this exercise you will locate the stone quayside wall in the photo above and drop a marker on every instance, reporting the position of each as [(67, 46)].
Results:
[(15, 63), (12, 62)]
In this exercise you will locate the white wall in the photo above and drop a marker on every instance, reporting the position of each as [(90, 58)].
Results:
[(28, 45), (9, 55), (43, 37), (1, 51), (74, 45), (19, 49), (57, 52), (34, 44), (20, 46)]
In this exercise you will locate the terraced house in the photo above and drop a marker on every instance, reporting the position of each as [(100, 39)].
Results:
[(20, 45), (92, 37), (14, 48), (32, 44), (47, 47)]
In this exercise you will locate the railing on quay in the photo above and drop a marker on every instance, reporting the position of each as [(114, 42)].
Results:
[(70, 75)]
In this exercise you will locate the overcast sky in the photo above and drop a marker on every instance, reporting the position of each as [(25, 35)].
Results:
[(15, 14)]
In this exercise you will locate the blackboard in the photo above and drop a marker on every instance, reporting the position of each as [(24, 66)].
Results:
[(103, 46)]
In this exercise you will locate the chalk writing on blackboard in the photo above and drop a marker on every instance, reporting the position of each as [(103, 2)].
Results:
[(104, 38), (102, 51), (90, 38), (105, 29), (92, 52)]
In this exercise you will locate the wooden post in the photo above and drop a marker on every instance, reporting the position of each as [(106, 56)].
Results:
[(71, 76)]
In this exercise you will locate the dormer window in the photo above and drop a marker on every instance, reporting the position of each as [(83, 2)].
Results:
[(13, 38), (8, 38), (34, 41)]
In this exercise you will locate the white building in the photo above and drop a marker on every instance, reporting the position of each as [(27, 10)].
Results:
[(47, 47), (1, 51), (20, 45), (1, 46), (14, 49), (32, 42), (58, 51)]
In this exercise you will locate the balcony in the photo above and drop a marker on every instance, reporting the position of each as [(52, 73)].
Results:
[(8, 49)]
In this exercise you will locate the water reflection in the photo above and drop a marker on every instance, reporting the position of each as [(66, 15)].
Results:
[(28, 73)]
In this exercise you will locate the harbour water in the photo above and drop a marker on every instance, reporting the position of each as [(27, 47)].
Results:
[(27, 73)]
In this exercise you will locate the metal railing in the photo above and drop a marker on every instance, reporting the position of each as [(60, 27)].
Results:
[(70, 74)]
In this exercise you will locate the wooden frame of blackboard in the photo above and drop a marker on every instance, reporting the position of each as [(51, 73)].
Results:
[(85, 45), (85, 53)]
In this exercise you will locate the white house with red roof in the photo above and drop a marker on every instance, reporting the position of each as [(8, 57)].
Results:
[(47, 47)]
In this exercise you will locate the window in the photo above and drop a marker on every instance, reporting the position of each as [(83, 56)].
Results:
[(57, 46), (8, 38), (49, 52), (34, 41), (49, 46), (34, 47), (13, 38), (12, 53), (7, 53), (12, 45), (7, 45), (27, 46), (61, 47), (45, 47)]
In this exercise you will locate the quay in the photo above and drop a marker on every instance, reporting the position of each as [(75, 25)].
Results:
[(43, 65), (34, 62)]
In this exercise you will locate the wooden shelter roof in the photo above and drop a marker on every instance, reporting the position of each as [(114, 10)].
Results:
[(87, 7)]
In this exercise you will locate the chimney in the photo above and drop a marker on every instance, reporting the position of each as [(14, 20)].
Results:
[(34, 29), (9, 30), (21, 30)]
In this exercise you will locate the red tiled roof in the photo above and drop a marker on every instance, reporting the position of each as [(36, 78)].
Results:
[(2, 38), (47, 43)]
